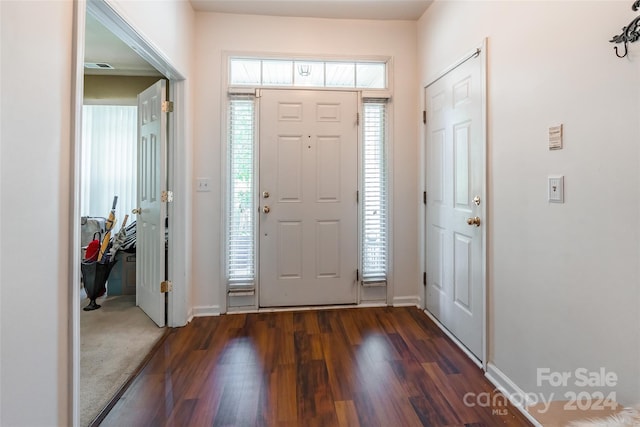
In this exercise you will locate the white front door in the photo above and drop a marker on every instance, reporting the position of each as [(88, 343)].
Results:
[(150, 221), (308, 197), (454, 222)]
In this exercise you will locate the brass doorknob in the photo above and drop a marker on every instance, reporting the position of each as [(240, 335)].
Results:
[(266, 209), (474, 221), (137, 211)]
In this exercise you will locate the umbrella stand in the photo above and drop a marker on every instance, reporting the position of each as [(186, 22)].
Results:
[(95, 277)]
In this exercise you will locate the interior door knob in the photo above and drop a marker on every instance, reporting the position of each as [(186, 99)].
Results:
[(474, 221), (266, 209), (137, 211)]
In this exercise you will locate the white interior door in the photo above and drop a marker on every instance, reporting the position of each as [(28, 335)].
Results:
[(308, 184), (454, 222), (150, 224)]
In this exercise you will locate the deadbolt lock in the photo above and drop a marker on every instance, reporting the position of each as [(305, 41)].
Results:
[(265, 194)]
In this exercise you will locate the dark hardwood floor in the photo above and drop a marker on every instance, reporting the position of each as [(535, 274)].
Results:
[(347, 367)]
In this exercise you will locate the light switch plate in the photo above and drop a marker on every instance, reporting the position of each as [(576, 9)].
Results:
[(556, 189)]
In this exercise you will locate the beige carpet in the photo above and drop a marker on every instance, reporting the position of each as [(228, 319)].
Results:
[(114, 340)]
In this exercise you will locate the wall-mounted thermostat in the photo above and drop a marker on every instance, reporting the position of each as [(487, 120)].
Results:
[(556, 189), (555, 138)]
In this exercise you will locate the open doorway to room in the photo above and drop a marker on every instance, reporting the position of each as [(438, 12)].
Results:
[(159, 123), (115, 334)]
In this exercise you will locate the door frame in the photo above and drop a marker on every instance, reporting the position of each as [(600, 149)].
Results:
[(227, 89), (178, 173), (481, 51)]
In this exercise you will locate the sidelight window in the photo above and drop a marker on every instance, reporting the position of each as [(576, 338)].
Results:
[(241, 225), (373, 218)]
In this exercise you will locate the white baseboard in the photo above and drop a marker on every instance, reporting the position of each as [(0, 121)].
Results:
[(207, 310), (413, 301), (510, 390)]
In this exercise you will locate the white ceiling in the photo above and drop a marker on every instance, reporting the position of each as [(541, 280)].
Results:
[(338, 9), (102, 46)]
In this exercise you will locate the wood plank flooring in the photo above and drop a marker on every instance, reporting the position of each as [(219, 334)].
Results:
[(347, 367)]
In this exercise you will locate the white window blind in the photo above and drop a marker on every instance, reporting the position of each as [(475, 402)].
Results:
[(374, 201), (241, 215), (109, 160)]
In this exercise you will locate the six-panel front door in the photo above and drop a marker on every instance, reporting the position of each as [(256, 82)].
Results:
[(455, 170), (308, 197)]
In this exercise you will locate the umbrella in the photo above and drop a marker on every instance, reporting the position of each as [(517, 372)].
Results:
[(119, 239), (91, 253), (111, 221), (95, 277)]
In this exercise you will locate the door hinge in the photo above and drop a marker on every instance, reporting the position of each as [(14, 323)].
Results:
[(167, 107), (357, 275), (424, 197), (424, 278), (166, 286), (424, 116), (357, 196), (357, 119), (166, 196)]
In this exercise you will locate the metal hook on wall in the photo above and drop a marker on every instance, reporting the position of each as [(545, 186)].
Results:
[(630, 33), (626, 51)]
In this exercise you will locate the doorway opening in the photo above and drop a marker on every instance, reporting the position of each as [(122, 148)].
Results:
[(173, 309)]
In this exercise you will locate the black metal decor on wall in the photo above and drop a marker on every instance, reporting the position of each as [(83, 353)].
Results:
[(630, 33)]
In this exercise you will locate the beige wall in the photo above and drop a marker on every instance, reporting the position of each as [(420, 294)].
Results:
[(219, 33), (564, 283), (120, 90), (35, 195), (35, 176)]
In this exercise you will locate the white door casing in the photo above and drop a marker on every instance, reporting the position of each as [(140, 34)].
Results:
[(308, 180), (455, 170), (150, 224)]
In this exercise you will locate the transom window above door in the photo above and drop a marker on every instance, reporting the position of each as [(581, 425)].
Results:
[(307, 73)]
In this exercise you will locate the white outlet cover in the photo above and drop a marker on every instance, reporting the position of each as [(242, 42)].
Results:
[(556, 189), (203, 184)]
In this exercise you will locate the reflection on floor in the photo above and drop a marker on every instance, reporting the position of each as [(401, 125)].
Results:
[(113, 342), (357, 367)]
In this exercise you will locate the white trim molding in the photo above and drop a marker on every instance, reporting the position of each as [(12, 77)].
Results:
[(507, 387), (206, 310), (412, 301)]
